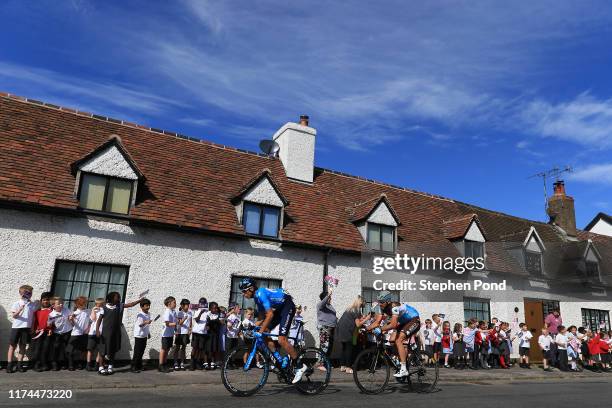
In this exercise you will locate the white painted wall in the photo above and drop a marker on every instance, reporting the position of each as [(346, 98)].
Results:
[(602, 227), (168, 263)]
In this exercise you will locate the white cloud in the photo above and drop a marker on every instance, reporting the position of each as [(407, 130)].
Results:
[(595, 173), (585, 120)]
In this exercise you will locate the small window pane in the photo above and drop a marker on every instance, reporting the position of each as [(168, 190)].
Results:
[(62, 289), (80, 289), (374, 236), (119, 196), (83, 272), (116, 288), (270, 221), (251, 219), (92, 192), (98, 290), (387, 239), (118, 275), (65, 270), (101, 273)]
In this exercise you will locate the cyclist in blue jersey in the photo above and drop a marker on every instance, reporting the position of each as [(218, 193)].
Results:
[(405, 319), (275, 308)]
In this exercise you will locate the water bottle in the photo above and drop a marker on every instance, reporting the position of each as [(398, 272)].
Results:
[(285, 362)]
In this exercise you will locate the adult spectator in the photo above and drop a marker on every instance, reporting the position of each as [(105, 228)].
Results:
[(350, 320), (326, 322)]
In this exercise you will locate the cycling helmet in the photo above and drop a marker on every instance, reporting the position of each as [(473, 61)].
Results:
[(385, 297), (246, 283)]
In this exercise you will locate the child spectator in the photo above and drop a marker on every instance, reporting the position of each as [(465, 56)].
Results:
[(604, 350), (447, 342), (59, 318), (184, 319), (22, 313), (142, 328), (561, 342), (43, 334), (469, 340), (495, 357), (458, 347), (483, 332), (573, 347), (436, 326), (170, 324), (429, 339), (94, 348), (582, 337), (232, 323), (505, 345), (524, 337), (77, 344), (544, 342), (222, 332), (213, 348), (112, 317), (198, 336)]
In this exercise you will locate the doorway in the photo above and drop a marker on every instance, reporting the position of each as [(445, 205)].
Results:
[(534, 319)]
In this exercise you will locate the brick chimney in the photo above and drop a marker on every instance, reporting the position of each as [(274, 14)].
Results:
[(297, 149), (561, 209)]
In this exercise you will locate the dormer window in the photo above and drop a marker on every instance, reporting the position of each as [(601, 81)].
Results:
[(107, 179), (473, 249), (259, 206), (261, 219), (591, 260), (381, 237), (533, 248), (592, 271), (377, 223), (107, 194)]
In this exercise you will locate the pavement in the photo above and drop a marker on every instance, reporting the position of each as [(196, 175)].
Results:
[(586, 393), (123, 378)]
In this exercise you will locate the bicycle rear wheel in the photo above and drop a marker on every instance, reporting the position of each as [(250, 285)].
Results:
[(244, 381), (426, 377), (371, 371), (316, 378)]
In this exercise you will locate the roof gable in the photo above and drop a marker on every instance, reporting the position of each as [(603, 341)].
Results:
[(466, 227), (377, 211), (262, 190), (109, 159)]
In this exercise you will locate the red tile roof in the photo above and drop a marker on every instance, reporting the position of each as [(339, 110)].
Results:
[(190, 184)]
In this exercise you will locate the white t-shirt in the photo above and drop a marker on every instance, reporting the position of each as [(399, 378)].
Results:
[(24, 319), (184, 328), (437, 332), (248, 324), (233, 325), (169, 316), (60, 321), (199, 328), (524, 336), (142, 332), (81, 322), (544, 341), (429, 336), (561, 341), (92, 327)]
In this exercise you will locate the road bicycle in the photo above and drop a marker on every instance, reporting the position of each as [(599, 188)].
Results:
[(246, 368), (372, 368)]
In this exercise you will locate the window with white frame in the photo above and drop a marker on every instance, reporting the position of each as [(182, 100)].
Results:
[(105, 194), (260, 219), (381, 237)]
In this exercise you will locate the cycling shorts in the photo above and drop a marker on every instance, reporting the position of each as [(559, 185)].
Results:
[(283, 317)]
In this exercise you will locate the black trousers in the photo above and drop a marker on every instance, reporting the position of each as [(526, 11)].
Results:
[(562, 359), (43, 347), (347, 353), (140, 343), (60, 341)]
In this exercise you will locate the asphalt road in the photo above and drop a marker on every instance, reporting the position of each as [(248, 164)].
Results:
[(586, 393)]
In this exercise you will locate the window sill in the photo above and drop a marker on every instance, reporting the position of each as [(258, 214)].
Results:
[(103, 214)]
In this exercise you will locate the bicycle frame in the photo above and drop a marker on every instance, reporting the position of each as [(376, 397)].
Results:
[(261, 345)]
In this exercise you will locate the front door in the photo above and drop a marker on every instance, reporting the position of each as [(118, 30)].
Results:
[(534, 320)]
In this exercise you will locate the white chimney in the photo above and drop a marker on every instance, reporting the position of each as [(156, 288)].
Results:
[(297, 149)]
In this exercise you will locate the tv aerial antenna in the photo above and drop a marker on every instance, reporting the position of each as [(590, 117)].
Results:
[(555, 173), (269, 147)]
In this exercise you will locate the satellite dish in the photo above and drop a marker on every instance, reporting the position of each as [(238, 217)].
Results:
[(269, 147)]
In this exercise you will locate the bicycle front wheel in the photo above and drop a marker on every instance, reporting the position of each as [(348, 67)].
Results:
[(371, 371), (426, 377), (318, 372), (242, 380)]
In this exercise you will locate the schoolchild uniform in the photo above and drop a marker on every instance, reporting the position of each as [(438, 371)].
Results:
[(77, 344), (524, 337), (169, 316), (141, 334), (233, 331), (182, 335), (429, 338), (22, 323), (561, 341), (198, 337), (545, 341), (95, 344), (112, 317), (44, 336), (61, 334)]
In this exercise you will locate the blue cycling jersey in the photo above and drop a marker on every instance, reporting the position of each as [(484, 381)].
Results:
[(267, 299), (405, 312)]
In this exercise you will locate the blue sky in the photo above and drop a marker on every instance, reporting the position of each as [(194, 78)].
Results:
[(459, 99)]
